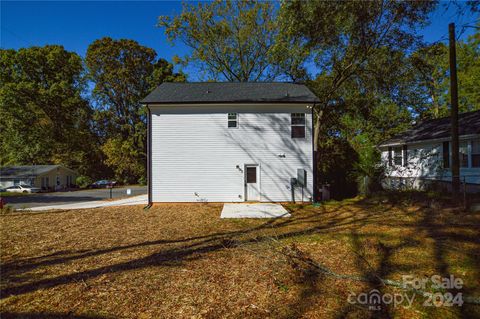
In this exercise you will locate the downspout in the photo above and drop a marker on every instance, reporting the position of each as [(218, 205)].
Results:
[(149, 157), (314, 158)]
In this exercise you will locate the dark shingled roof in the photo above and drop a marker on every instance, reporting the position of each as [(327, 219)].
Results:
[(468, 124), (8, 172), (230, 92)]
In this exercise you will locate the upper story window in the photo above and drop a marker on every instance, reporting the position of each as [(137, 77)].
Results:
[(232, 119), (298, 125)]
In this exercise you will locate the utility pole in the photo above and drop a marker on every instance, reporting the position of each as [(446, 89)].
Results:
[(454, 114)]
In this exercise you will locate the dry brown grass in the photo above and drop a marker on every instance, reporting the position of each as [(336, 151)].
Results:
[(182, 261)]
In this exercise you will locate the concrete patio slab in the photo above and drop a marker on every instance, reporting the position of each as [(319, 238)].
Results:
[(254, 210)]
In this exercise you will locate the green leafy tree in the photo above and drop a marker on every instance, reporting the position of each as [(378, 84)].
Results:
[(230, 40), (358, 48), (432, 66), (43, 117), (124, 72), (369, 108)]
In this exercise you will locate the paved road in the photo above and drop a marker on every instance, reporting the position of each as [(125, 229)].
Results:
[(59, 198)]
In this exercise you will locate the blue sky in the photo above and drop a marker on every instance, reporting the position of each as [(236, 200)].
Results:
[(76, 24)]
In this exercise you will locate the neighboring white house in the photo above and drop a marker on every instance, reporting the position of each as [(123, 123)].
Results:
[(46, 177), (422, 154), (229, 142)]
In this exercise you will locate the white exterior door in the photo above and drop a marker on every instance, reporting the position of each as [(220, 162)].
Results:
[(252, 183)]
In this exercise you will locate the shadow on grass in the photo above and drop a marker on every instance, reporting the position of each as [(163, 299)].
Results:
[(28, 315), (347, 219)]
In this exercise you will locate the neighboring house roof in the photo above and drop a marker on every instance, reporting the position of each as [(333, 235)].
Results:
[(468, 124), (230, 92), (9, 172)]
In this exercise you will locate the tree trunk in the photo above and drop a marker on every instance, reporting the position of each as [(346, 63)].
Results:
[(454, 115)]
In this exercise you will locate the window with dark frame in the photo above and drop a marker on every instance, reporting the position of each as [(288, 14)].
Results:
[(390, 156), (446, 154), (232, 119), (476, 153), (298, 125), (397, 156)]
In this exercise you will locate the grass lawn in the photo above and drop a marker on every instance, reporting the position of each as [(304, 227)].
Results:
[(182, 261), (12, 194)]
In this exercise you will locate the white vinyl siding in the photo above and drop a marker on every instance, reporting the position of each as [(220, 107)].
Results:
[(196, 157)]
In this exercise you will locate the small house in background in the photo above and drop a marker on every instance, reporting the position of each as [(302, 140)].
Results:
[(46, 177), (421, 157), (230, 142)]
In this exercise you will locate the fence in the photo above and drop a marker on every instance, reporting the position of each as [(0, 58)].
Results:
[(469, 185)]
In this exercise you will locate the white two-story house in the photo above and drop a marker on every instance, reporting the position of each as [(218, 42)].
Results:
[(422, 155), (230, 142)]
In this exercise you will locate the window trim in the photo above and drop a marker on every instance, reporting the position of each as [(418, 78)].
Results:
[(304, 124), (466, 146), (405, 155)]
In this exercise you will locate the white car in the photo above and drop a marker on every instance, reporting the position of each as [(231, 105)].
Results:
[(23, 189)]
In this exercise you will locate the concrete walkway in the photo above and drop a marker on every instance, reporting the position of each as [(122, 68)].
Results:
[(134, 200), (257, 210)]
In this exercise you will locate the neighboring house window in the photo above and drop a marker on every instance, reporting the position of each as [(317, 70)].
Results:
[(298, 125), (405, 155), (476, 153), (232, 119), (446, 154), (463, 154), (16, 182), (390, 157), (397, 156)]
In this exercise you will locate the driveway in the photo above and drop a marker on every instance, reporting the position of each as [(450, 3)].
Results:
[(60, 198), (129, 201)]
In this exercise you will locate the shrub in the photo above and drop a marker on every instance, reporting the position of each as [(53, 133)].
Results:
[(142, 181), (6, 209), (83, 181)]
